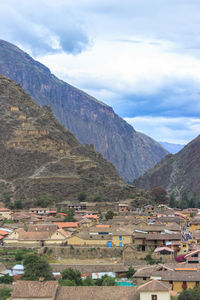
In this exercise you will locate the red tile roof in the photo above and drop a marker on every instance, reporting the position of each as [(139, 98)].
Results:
[(67, 224)]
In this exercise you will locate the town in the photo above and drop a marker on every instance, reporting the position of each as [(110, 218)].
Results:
[(153, 250)]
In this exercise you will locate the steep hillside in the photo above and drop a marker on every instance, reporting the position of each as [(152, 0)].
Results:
[(178, 173), (38, 156), (91, 121)]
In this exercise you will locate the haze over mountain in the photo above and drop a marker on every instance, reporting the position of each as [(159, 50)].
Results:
[(91, 121), (38, 156), (176, 173), (172, 148)]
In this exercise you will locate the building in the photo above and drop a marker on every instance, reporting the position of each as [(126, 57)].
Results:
[(5, 213), (105, 237), (150, 241), (123, 208), (153, 290), (34, 290)]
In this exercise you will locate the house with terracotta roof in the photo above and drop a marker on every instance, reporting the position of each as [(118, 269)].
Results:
[(67, 225)]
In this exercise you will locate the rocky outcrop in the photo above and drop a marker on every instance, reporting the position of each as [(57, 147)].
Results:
[(39, 156), (177, 173), (91, 121)]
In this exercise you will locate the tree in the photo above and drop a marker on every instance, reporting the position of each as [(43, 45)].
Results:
[(109, 281), (36, 267), (130, 272), (7, 279), (172, 200), (109, 215), (70, 216), (159, 195), (18, 204), (184, 201), (82, 196), (5, 293), (186, 295), (88, 281), (72, 275), (44, 201), (97, 198)]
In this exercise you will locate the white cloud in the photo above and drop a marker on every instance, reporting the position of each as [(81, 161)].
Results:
[(173, 130)]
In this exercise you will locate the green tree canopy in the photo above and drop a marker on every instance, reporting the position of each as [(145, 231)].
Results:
[(72, 275), (82, 196), (36, 267), (5, 293), (109, 215), (130, 272)]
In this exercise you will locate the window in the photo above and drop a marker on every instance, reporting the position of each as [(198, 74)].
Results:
[(144, 278), (154, 297), (120, 238), (120, 244)]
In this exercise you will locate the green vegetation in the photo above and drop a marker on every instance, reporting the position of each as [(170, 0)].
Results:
[(71, 277), (17, 204), (70, 216), (131, 272), (5, 293), (191, 294), (150, 261), (10, 257), (97, 198), (6, 279), (82, 196), (44, 201), (109, 215), (36, 267)]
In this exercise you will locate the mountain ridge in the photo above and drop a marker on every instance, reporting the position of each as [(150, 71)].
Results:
[(40, 156), (91, 121), (178, 173)]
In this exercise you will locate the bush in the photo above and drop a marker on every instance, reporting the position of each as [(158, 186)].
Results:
[(109, 215), (130, 272), (7, 279), (5, 293), (82, 196), (72, 275)]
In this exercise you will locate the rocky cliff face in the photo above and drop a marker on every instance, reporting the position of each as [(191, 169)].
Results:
[(91, 121), (176, 173), (38, 156)]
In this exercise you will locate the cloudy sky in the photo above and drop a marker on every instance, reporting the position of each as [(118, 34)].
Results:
[(142, 57)]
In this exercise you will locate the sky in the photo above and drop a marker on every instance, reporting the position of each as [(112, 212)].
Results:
[(142, 57)]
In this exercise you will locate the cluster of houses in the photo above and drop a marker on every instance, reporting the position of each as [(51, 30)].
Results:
[(169, 237)]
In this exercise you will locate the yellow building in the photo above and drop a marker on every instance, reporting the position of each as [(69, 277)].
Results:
[(183, 248), (105, 237), (182, 278), (6, 213), (194, 224), (36, 239)]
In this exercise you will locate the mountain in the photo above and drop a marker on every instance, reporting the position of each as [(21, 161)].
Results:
[(176, 173), (172, 148), (91, 121), (39, 156)]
